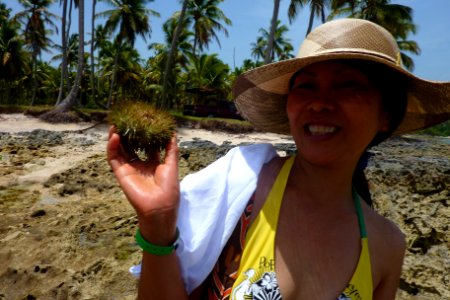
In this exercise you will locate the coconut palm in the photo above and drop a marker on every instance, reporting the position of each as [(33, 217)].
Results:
[(316, 9), (94, 3), (208, 74), (36, 16), (4, 12), (130, 18), (273, 26), (207, 20), (165, 88), (183, 45), (259, 48), (70, 100), (47, 79), (282, 47), (173, 47), (128, 67), (13, 57), (71, 53), (396, 18), (64, 49)]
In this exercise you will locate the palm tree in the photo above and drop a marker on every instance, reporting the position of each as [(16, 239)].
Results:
[(71, 53), (316, 9), (64, 51), (4, 12), (101, 42), (396, 18), (259, 48), (128, 68), (282, 47), (71, 98), (94, 3), (207, 73), (173, 47), (35, 18), (130, 18), (13, 57), (271, 37), (206, 17), (48, 82), (178, 54)]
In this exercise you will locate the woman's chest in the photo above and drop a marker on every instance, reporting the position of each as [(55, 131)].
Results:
[(314, 258)]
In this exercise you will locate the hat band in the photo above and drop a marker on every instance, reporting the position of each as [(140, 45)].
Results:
[(340, 51)]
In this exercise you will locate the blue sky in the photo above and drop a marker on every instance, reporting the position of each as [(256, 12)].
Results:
[(248, 16)]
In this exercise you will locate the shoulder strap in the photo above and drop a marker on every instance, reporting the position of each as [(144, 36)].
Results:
[(359, 212)]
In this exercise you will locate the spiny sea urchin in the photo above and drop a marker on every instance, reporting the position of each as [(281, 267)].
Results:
[(142, 127)]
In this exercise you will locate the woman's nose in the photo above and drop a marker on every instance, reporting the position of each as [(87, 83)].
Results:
[(321, 102)]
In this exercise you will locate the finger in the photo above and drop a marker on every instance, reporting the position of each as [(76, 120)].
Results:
[(112, 129), (172, 151), (113, 151)]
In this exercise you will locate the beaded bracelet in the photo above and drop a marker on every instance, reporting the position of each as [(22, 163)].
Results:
[(154, 249)]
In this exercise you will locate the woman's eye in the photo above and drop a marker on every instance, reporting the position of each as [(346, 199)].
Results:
[(350, 85), (304, 86)]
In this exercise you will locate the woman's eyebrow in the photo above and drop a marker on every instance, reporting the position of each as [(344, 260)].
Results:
[(306, 73), (345, 69)]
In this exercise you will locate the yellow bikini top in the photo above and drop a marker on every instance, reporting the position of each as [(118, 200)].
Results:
[(256, 278)]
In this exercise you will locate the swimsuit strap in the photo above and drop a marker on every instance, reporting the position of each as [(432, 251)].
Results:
[(272, 205), (359, 212)]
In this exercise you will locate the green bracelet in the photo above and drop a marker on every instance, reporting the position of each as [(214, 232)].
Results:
[(154, 249)]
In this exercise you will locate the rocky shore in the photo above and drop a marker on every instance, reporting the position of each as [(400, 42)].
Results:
[(66, 229)]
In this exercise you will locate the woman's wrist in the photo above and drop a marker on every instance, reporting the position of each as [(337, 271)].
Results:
[(156, 249), (159, 233)]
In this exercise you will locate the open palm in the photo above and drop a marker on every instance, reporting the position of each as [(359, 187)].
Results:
[(150, 186)]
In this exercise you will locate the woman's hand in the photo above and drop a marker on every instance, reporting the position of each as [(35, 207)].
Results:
[(151, 187)]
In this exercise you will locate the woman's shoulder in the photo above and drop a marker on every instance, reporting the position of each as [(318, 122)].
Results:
[(384, 231), (387, 244)]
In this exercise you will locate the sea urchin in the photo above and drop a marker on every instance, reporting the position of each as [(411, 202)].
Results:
[(142, 127)]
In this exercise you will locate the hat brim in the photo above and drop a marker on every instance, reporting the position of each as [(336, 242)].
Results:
[(261, 94)]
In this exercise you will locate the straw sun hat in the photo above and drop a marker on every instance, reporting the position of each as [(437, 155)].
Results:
[(261, 94)]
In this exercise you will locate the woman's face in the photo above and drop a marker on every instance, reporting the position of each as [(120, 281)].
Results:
[(334, 112)]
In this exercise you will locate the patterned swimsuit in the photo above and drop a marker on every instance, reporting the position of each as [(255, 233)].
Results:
[(249, 272)]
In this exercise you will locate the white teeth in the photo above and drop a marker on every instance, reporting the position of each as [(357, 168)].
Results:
[(319, 129)]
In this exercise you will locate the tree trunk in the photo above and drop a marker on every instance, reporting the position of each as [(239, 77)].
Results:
[(64, 53), (94, 2), (173, 47), (311, 20), (66, 75), (33, 78), (273, 26), (113, 76), (71, 99), (322, 12)]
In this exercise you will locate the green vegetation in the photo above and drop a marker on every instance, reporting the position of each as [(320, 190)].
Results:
[(178, 71), (439, 130)]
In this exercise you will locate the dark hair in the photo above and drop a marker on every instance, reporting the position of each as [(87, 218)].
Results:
[(393, 102), (393, 90)]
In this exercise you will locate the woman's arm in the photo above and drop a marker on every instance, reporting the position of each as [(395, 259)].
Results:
[(392, 264), (152, 188), (160, 278)]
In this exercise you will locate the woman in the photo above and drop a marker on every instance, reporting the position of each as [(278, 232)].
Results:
[(257, 226)]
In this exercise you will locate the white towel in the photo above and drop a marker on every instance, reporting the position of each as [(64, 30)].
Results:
[(212, 201)]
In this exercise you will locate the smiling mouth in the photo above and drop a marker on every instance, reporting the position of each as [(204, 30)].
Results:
[(318, 130)]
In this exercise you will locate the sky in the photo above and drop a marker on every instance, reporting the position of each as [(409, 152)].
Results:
[(432, 18)]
